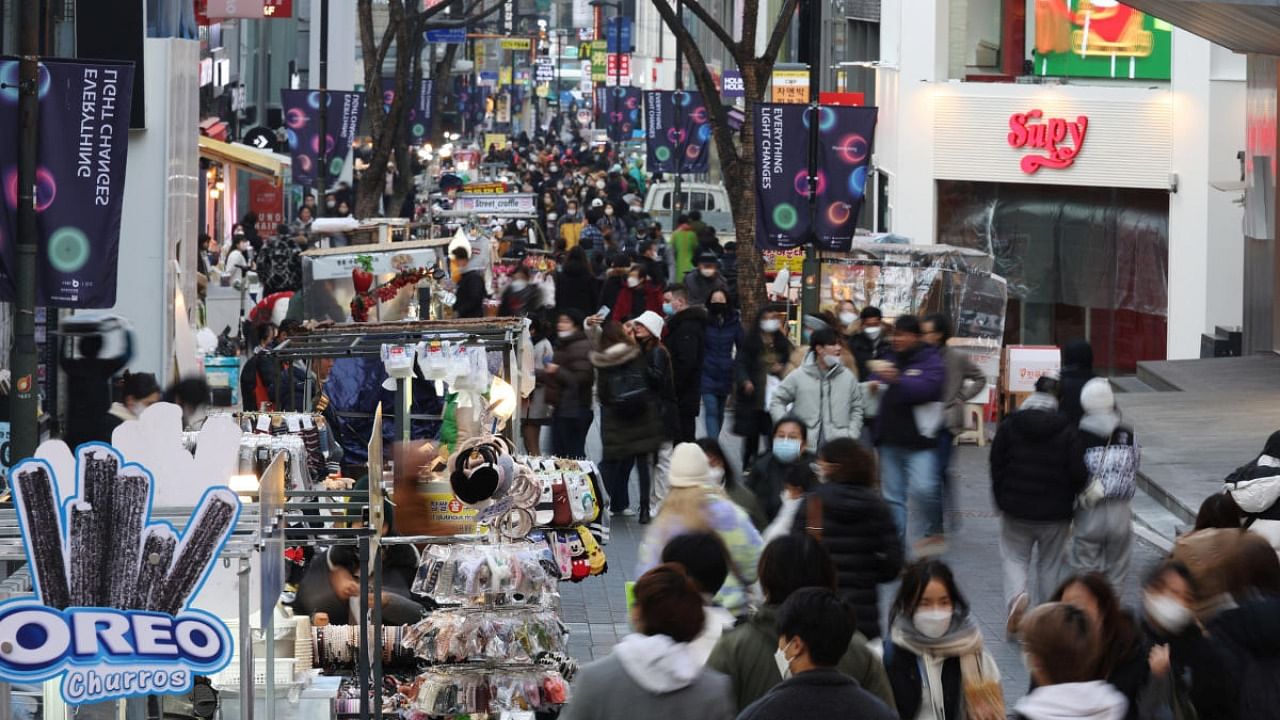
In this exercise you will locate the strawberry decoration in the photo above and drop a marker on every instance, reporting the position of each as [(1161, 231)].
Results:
[(362, 274), (366, 299)]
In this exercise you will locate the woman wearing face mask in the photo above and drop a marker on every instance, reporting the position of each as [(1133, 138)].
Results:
[(1122, 660), (139, 391), (934, 656), (570, 380), (799, 481), (854, 523), (637, 296), (764, 354), (610, 223), (722, 474), (789, 449), (748, 653), (522, 297), (723, 338)]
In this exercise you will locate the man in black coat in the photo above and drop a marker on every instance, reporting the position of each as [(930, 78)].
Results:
[(686, 341), (471, 292), (1037, 470)]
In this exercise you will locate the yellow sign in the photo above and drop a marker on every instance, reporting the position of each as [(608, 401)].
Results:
[(514, 44), (493, 188), (498, 140), (479, 59), (791, 86), (789, 260), (504, 76), (542, 90)]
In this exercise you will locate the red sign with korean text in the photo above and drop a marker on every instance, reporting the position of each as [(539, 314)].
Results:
[(267, 201), (1049, 136)]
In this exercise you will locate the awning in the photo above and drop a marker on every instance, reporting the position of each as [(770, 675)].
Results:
[(1245, 26), (262, 162)]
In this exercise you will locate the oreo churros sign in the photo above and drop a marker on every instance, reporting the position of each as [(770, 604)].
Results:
[(110, 616)]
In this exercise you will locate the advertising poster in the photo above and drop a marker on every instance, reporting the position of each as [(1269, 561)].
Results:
[(677, 132), (620, 111), (1100, 38), (845, 137), (110, 614), (79, 193), (417, 122), (267, 201), (301, 121)]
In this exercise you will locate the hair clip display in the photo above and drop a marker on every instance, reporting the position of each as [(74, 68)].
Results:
[(461, 635), (505, 574)]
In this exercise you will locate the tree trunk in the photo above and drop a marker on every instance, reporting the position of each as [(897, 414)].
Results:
[(740, 183), (384, 126)]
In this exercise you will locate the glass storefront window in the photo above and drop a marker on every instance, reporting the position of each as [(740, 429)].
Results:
[(1081, 262)]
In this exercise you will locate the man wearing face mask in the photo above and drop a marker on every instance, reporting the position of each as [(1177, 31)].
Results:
[(821, 392), (869, 342), (569, 229), (705, 279), (609, 222), (768, 479), (814, 630), (686, 341)]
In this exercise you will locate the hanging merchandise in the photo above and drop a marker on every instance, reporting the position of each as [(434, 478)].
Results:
[(448, 691), (459, 635), (500, 575)]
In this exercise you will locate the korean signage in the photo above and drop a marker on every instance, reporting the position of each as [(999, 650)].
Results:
[(110, 613), (1093, 38), (515, 44), (448, 36), (615, 26), (267, 201), (1047, 138), (79, 184), (791, 86), (1024, 364), (545, 70), (618, 66)]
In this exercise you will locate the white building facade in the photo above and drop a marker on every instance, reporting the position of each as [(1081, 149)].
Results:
[(1112, 205)]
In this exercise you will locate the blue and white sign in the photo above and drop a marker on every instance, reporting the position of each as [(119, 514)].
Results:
[(731, 85), (111, 613), (612, 26), (449, 36)]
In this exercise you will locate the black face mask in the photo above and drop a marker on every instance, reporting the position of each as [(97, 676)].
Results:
[(718, 308)]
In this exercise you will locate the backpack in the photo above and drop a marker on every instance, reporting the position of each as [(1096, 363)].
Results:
[(280, 267)]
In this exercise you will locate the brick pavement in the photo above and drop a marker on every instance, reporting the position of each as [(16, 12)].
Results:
[(595, 610)]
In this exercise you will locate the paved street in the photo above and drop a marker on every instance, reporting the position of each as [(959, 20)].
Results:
[(596, 609)]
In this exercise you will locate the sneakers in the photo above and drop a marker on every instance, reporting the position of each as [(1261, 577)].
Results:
[(1016, 611), (930, 546), (628, 513)]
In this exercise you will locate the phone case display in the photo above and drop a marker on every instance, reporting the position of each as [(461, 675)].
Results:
[(452, 690), (461, 635), (500, 575), (577, 553)]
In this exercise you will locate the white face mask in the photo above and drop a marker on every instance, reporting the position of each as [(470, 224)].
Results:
[(565, 333), (330, 204), (552, 216), (599, 184), (1166, 612), (633, 282), (521, 224), (136, 408), (770, 326), (932, 623), (831, 360), (872, 332), (848, 318), (518, 285), (784, 665), (608, 210), (716, 475), (707, 272)]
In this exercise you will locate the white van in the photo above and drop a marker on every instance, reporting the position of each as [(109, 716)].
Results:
[(710, 199)]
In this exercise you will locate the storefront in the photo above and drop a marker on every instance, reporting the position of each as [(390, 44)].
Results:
[(231, 173), (1071, 196)]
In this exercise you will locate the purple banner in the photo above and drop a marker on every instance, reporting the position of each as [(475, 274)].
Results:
[(845, 137), (81, 152), (418, 119), (677, 130), (618, 111), (301, 122)]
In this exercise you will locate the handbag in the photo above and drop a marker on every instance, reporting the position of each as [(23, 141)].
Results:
[(1095, 491), (627, 387), (983, 697)]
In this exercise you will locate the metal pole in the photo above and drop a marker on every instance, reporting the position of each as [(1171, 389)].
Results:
[(617, 73), (264, 74), (322, 159), (23, 360), (809, 300), (675, 197), (247, 689)]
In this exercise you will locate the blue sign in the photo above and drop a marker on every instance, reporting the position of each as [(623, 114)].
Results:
[(450, 36), (611, 34), (731, 85), (110, 614)]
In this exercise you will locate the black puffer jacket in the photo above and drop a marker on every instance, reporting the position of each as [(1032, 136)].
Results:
[(862, 538), (662, 384), (1037, 466), (686, 341)]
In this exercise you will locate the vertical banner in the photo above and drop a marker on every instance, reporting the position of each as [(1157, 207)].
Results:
[(845, 138), (618, 110), (81, 153), (301, 120), (267, 201), (677, 131), (417, 118)]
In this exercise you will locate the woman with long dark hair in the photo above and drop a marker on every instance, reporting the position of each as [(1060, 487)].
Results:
[(722, 474), (1122, 658), (765, 353)]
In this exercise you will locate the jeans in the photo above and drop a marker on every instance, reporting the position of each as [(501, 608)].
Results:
[(569, 435), (908, 473), (942, 458), (1017, 538), (713, 413), (617, 476)]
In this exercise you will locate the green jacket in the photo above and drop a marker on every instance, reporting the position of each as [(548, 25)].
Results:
[(745, 654), (685, 243)]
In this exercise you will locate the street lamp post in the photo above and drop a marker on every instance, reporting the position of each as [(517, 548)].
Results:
[(809, 293), (617, 64)]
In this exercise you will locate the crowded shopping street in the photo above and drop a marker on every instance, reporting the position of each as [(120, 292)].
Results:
[(639, 360)]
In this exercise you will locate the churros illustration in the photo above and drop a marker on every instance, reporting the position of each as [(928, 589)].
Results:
[(203, 536), (84, 556), (158, 545), (44, 535), (130, 510)]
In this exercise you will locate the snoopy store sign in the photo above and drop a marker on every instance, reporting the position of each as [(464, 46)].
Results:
[(110, 616)]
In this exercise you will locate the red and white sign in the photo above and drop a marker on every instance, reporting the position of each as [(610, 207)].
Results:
[(267, 201), (1049, 136), (277, 9), (219, 9), (846, 99), (612, 70)]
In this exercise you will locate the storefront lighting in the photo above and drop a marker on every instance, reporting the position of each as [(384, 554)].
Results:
[(214, 193), (246, 486)]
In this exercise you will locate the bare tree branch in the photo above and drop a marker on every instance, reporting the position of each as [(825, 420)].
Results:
[(750, 14), (712, 24), (779, 32), (705, 82)]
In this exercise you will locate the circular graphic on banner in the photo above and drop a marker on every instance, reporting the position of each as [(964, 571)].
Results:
[(633, 102), (785, 216), (662, 152), (295, 118), (388, 97), (46, 188), (827, 118), (304, 163), (699, 114), (291, 138), (313, 99), (681, 98), (704, 133), (802, 183), (839, 213), (419, 130), (10, 71), (335, 166), (315, 144), (68, 249), (692, 152), (677, 136), (858, 182), (852, 148)]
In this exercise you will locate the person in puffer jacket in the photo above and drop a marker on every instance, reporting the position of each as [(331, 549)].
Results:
[(724, 339), (1103, 533), (822, 392), (1255, 487)]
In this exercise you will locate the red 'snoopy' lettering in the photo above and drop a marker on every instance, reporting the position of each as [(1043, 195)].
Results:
[(1048, 135)]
